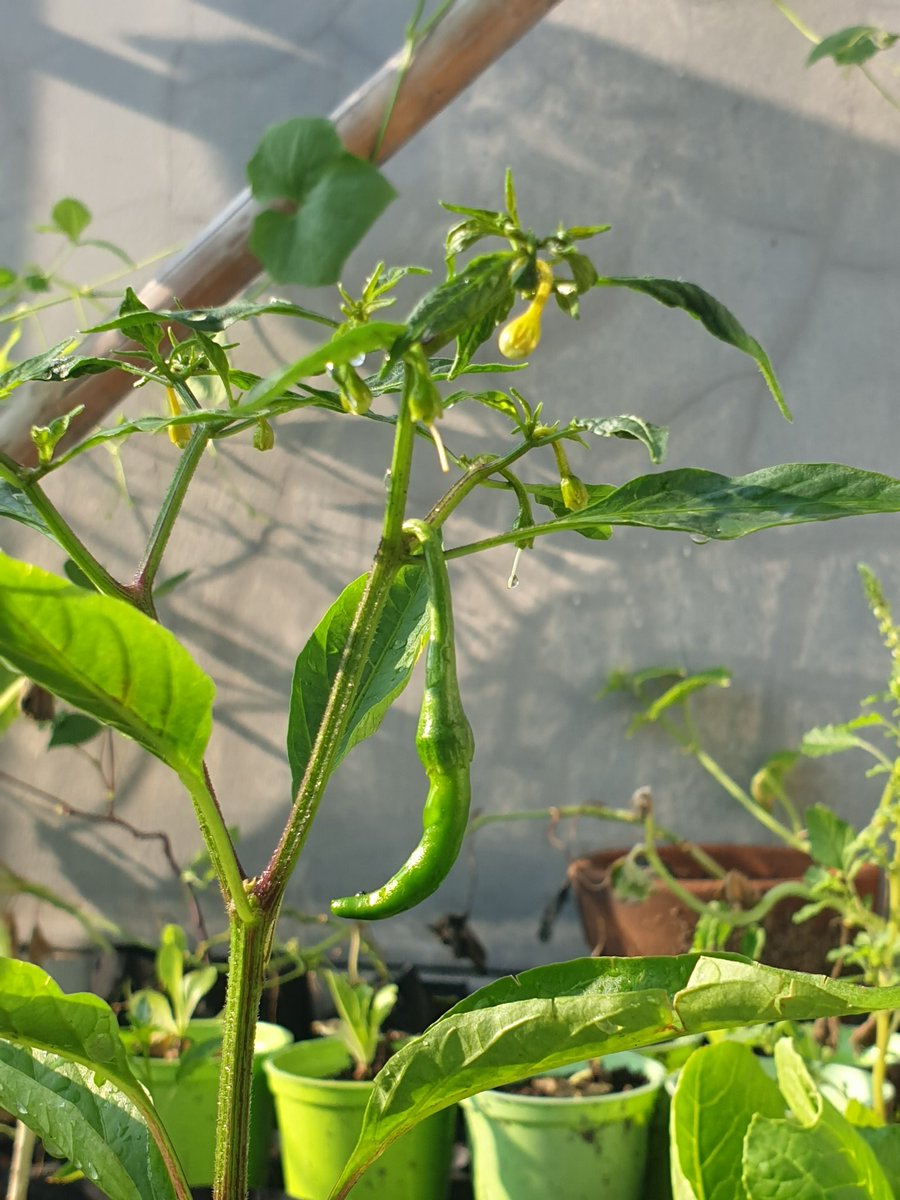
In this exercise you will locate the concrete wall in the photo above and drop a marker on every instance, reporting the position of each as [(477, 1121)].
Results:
[(694, 128)]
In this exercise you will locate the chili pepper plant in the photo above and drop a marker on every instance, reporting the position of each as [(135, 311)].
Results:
[(102, 649)]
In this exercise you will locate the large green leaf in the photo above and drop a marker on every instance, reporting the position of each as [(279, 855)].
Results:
[(817, 1155), (712, 315), (554, 1015), (93, 1126), (709, 505), (397, 644), (81, 1029), (105, 657), (335, 197), (719, 1090)]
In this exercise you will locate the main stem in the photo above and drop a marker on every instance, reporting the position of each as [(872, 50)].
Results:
[(250, 940)]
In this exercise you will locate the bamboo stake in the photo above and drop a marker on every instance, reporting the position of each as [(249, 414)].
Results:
[(218, 264)]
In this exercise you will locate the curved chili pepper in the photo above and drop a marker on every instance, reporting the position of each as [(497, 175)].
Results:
[(445, 746)]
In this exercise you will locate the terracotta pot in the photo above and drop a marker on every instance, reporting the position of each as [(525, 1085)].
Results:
[(661, 924)]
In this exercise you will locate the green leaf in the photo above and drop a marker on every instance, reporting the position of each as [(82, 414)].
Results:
[(482, 288), (551, 1016), (50, 365), (885, 1142), (498, 401), (714, 317), (15, 505), (682, 691), (853, 46), (80, 1027), (816, 1156), (398, 642), (654, 437), (211, 320), (344, 346), (47, 437), (92, 1124), (12, 686), (110, 660), (551, 497), (831, 739), (337, 197), (830, 838), (719, 1090), (72, 729), (716, 506), (71, 218)]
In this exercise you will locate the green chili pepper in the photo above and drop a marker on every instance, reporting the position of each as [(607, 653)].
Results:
[(355, 395), (445, 746)]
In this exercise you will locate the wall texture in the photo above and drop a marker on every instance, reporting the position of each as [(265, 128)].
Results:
[(694, 128)]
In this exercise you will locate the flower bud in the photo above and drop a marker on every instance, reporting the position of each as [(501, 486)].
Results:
[(180, 435), (354, 392), (574, 493), (263, 435)]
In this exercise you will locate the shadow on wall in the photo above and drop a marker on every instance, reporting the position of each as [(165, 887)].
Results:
[(785, 219)]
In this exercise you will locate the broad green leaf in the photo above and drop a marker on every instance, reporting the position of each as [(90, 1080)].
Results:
[(550, 1016), (481, 288), (719, 1090), (551, 497), (714, 317), (885, 1142), (683, 690), (832, 739), (15, 505), (71, 218), (398, 642), (715, 506), (36, 1012), (344, 346), (817, 1154), (654, 437), (105, 657), (89, 1123), (212, 320), (853, 46), (336, 198), (830, 838)]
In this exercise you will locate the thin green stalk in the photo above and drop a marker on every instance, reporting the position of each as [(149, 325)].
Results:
[(746, 801), (188, 462), (102, 580), (250, 945), (219, 846)]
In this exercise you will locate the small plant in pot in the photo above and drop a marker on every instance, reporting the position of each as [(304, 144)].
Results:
[(585, 1127), (176, 1056), (321, 1089)]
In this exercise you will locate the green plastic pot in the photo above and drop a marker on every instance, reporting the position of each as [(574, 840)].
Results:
[(582, 1148), (187, 1104), (319, 1120)]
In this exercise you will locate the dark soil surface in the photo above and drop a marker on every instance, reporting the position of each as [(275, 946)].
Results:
[(592, 1080)]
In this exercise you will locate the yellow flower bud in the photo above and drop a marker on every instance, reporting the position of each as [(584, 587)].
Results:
[(180, 435), (574, 493), (522, 334), (520, 337)]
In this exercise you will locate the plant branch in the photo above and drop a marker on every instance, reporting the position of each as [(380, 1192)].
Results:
[(20, 478)]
